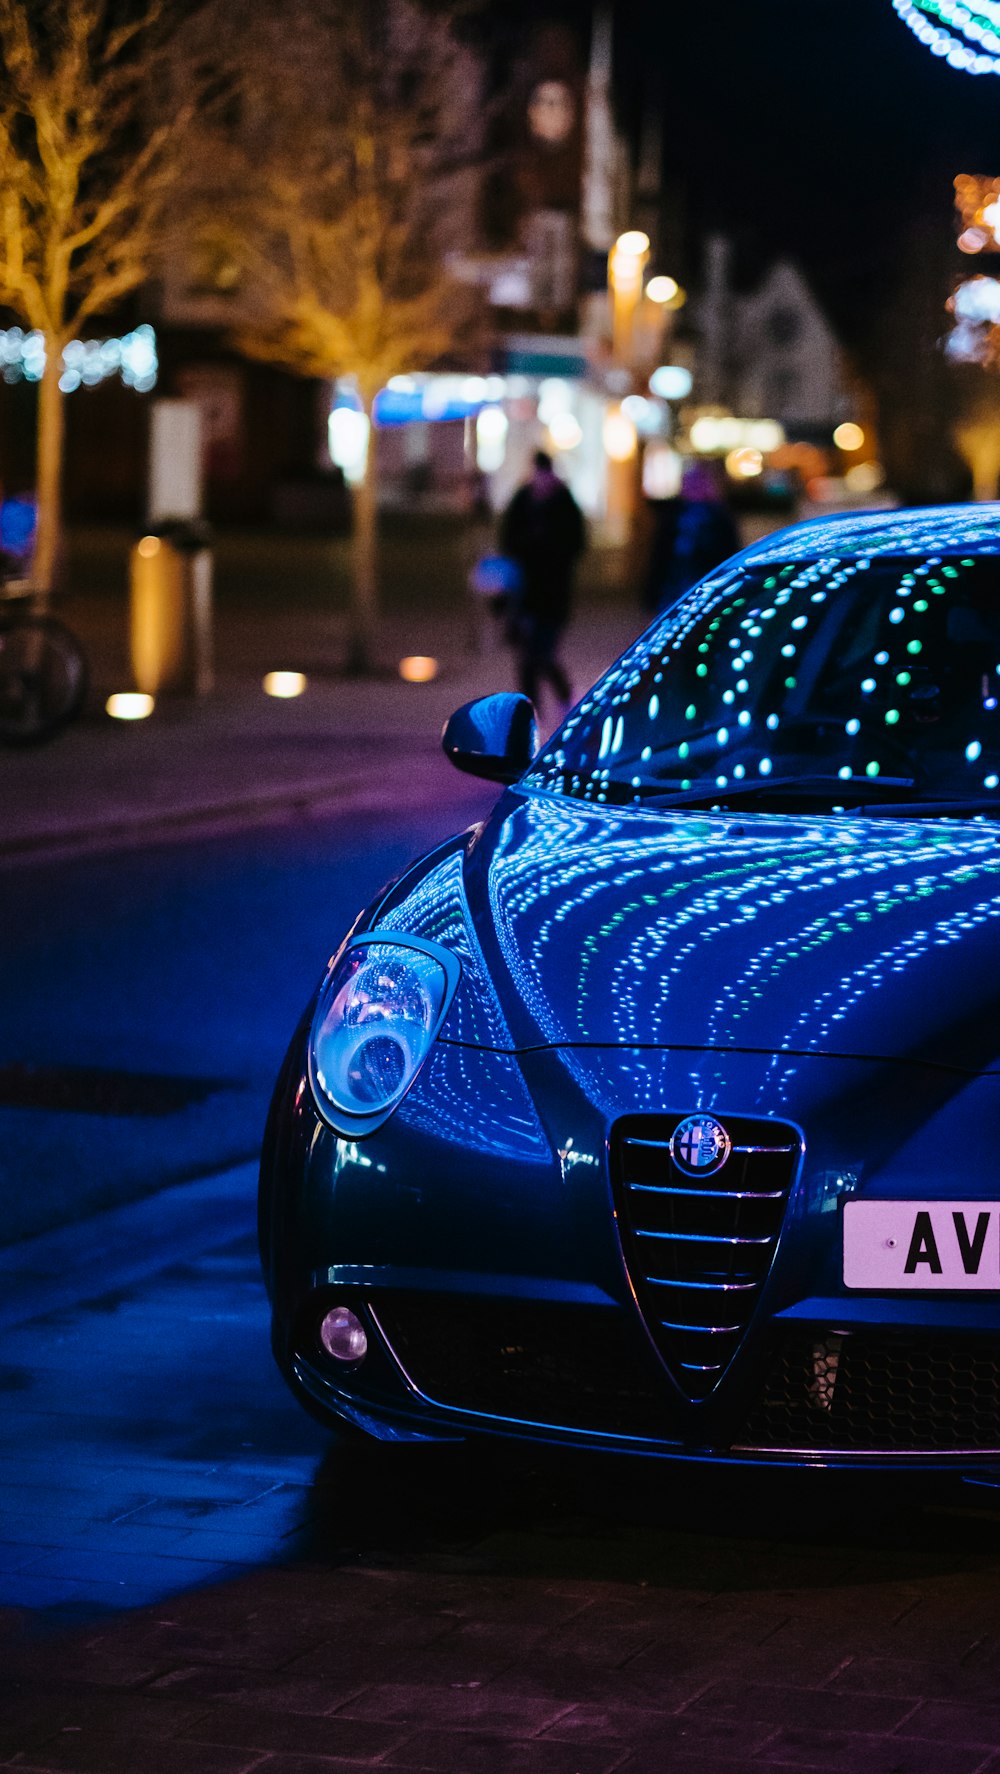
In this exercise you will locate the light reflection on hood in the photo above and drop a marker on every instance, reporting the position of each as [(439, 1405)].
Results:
[(824, 935)]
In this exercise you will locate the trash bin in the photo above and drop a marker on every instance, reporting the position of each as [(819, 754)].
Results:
[(170, 609)]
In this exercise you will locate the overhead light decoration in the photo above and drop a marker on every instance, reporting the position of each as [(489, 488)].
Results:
[(967, 37)]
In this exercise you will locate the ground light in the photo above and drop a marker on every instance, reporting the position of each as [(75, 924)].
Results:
[(284, 684), (129, 705), (418, 668)]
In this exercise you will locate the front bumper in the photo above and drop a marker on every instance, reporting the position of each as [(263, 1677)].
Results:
[(441, 1367), (484, 1259)]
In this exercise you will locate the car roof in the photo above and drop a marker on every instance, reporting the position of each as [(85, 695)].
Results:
[(933, 529)]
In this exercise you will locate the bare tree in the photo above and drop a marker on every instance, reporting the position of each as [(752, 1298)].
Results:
[(90, 148), (361, 197)]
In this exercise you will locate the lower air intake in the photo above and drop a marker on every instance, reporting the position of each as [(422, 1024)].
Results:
[(530, 1361), (878, 1393)]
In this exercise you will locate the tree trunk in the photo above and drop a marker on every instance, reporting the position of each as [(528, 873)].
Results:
[(48, 470), (979, 443), (363, 614)]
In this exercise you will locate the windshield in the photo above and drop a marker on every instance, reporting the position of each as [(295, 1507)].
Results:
[(853, 680)]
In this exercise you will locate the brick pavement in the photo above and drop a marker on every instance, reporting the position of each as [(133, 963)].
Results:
[(195, 1577)]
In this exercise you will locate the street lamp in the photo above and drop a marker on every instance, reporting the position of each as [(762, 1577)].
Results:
[(626, 263), (662, 289), (848, 436)]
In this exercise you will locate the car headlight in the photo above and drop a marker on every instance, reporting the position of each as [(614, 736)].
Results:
[(376, 1019)]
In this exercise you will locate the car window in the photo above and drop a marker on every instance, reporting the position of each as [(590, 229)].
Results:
[(857, 670)]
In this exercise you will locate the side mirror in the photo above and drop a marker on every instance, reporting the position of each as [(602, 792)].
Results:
[(495, 737)]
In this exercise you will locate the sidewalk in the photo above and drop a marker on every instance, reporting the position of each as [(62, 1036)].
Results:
[(240, 753), (358, 760)]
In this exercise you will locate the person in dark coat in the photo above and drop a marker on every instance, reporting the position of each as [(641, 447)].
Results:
[(543, 531), (693, 533)]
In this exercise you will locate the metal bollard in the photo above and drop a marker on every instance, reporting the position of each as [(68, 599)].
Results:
[(170, 612)]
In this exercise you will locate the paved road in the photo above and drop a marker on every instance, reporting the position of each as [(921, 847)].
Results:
[(152, 988), (195, 1577)]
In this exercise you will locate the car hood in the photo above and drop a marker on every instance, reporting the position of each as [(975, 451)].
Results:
[(842, 936)]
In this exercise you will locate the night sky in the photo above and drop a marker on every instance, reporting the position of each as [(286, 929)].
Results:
[(819, 129)]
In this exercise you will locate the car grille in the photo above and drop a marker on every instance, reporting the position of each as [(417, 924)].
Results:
[(699, 1248), (867, 1393), (583, 1367)]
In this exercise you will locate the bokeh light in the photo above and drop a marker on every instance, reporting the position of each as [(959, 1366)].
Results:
[(620, 440), (129, 705), (671, 381), (662, 289), (418, 668), (565, 431), (744, 463), (284, 684)]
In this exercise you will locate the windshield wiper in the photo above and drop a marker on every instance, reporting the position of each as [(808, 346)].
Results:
[(962, 807), (859, 791)]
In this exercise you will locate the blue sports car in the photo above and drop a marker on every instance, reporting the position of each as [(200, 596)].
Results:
[(661, 1111)]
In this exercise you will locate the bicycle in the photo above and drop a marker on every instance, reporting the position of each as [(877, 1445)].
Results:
[(43, 668)]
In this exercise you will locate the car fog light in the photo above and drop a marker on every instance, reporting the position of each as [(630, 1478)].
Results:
[(342, 1335)]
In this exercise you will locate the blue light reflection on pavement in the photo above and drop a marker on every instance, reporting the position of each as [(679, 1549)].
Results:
[(150, 1444)]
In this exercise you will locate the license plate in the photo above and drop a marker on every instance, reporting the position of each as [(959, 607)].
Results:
[(895, 1246)]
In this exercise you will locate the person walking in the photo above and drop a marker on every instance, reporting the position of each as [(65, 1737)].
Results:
[(542, 530), (693, 533)]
